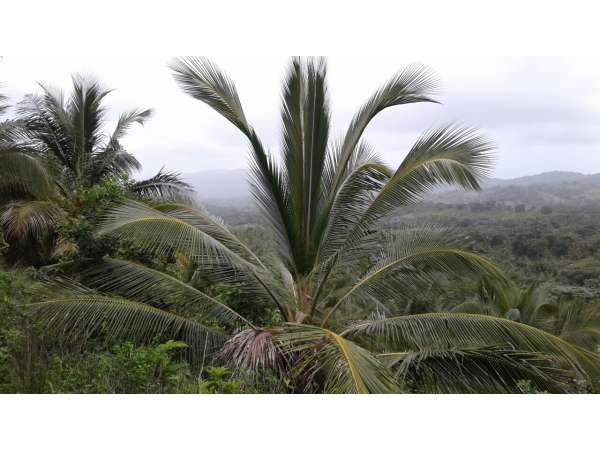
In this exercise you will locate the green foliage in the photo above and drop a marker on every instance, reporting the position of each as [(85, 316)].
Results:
[(218, 382), (336, 274), (527, 387), (126, 369), (85, 207)]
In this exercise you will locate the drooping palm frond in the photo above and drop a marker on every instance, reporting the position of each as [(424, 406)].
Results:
[(164, 187), (81, 316), (450, 155), (203, 80), (30, 220), (138, 282), (578, 322), (255, 349), (346, 367), (192, 232), (476, 370), (409, 257), (198, 236), (460, 331), (24, 175)]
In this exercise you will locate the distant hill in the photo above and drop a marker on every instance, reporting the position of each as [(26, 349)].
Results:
[(543, 189), (547, 178), (550, 188)]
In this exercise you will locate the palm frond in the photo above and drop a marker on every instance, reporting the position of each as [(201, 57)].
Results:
[(450, 155), (81, 316), (305, 117), (415, 84), (409, 257), (195, 234), (23, 175), (127, 120), (164, 187), (203, 80), (476, 370), (30, 220), (138, 282), (448, 331), (347, 368)]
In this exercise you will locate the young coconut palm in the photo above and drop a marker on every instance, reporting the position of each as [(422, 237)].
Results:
[(573, 320), (58, 145), (336, 272)]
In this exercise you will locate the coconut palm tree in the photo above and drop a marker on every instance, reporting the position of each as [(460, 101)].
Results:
[(530, 305), (58, 145), (573, 320), (336, 274)]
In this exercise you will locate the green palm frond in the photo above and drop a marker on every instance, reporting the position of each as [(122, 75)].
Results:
[(192, 232), (346, 367), (30, 220), (198, 236), (127, 120), (475, 370), (409, 257), (204, 81), (448, 331), (164, 187), (138, 282), (450, 155), (415, 84), (81, 316), (24, 175), (578, 322), (305, 115)]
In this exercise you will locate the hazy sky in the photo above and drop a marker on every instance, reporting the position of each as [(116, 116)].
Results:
[(542, 113)]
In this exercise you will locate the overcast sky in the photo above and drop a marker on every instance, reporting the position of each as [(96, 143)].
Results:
[(542, 113)]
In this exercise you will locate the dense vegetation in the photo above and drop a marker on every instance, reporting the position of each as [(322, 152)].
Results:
[(341, 281)]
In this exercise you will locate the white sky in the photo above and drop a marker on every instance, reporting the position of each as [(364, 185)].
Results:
[(542, 113)]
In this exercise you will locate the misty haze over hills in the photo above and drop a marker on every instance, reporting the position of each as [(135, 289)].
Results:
[(545, 188)]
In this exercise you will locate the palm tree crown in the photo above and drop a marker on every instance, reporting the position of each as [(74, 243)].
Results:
[(57, 145)]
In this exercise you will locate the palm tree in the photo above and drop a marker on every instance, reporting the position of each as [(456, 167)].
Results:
[(58, 145), (531, 305), (572, 320), (337, 272)]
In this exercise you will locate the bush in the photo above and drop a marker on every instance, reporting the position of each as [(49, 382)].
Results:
[(127, 369)]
